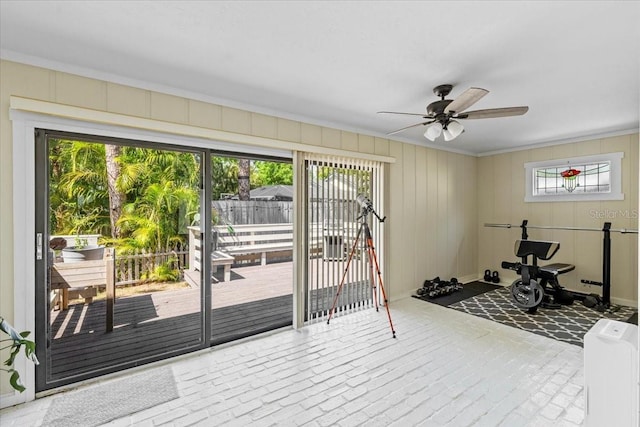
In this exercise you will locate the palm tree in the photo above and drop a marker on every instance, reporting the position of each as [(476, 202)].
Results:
[(78, 188), (151, 221), (163, 187), (133, 195)]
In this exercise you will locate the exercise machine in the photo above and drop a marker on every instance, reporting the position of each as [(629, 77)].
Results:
[(538, 285), (601, 303)]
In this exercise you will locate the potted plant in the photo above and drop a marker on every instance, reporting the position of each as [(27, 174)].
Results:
[(82, 251), (17, 340)]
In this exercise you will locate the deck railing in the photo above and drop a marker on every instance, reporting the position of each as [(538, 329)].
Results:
[(133, 268)]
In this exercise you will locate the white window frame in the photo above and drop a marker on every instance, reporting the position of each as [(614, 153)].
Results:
[(615, 192)]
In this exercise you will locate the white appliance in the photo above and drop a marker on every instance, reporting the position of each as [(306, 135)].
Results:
[(611, 374)]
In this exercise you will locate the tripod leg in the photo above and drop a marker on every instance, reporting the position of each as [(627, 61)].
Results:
[(372, 279), (344, 275), (384, 294)]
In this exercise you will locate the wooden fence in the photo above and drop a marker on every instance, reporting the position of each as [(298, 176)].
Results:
[(254, 211), (326, 211)]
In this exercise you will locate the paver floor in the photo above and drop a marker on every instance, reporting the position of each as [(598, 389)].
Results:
[(445, 368)]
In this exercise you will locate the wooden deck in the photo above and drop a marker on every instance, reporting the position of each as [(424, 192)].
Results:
[(258, 298)]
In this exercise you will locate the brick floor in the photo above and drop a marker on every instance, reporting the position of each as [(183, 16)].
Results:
[(444, 368)]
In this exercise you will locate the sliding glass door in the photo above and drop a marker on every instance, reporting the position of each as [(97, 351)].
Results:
[(147, 250), (113, 218), (252, 246)]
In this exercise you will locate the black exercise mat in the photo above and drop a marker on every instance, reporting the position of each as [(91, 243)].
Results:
[(468, 290), (568, 324), (633, 319)]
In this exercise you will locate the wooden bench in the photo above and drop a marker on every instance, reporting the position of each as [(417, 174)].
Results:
[(218, 258), (250, 241)]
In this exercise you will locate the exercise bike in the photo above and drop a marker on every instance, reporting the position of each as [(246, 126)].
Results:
[(538, 285)]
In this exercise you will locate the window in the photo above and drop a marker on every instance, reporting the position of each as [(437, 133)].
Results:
[(575, 179)]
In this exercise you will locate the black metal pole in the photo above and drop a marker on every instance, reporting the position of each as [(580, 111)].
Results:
[(606, 265), (525, 236)]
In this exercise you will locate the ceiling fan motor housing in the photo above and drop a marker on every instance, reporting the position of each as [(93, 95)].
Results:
[(436, 108)]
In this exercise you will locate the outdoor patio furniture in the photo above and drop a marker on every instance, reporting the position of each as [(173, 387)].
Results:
[(77, 279), (219, 258)]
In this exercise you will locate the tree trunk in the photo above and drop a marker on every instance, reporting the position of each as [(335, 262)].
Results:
[(243, 179), (116, 198)]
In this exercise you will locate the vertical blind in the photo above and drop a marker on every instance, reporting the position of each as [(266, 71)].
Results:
[(335, 247)]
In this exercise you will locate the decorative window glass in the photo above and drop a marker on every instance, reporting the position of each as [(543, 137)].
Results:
[(579, 178)]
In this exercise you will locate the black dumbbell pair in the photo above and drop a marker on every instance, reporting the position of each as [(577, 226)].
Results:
[(491, 277), (437, 286)]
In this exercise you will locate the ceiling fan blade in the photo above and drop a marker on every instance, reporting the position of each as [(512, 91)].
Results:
[(466, 100), (409, 127), (493, 113), (426, 116)]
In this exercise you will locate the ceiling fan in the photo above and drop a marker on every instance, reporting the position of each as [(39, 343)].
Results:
[(441, 114)]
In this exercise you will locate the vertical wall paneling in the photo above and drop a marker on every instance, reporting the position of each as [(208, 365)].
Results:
[(126, 100), (409, 232), (288, 130), (442, 218), (583, 249), (366, 144), (265, 126), (234, 120), (349, 141), (395, 224), (421, 235), (81, 91)]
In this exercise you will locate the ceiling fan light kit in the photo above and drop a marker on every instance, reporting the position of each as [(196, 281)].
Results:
[(433, 131), (441, 114), (453, 130)]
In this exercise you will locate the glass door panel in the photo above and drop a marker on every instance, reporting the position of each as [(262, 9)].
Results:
[(117, 290), (251, 247)]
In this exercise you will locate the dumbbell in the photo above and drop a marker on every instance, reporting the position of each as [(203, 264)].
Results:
[(422, 291), (428, 285), (432, 284)]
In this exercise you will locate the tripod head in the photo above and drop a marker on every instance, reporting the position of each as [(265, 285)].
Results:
[(367, 207)]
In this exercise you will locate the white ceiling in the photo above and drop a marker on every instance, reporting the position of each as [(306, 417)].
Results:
[(575, 64)]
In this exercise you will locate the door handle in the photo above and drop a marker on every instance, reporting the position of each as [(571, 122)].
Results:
[(38, 246)]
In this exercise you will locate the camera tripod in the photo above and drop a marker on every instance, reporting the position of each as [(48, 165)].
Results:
[(373, 260)]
